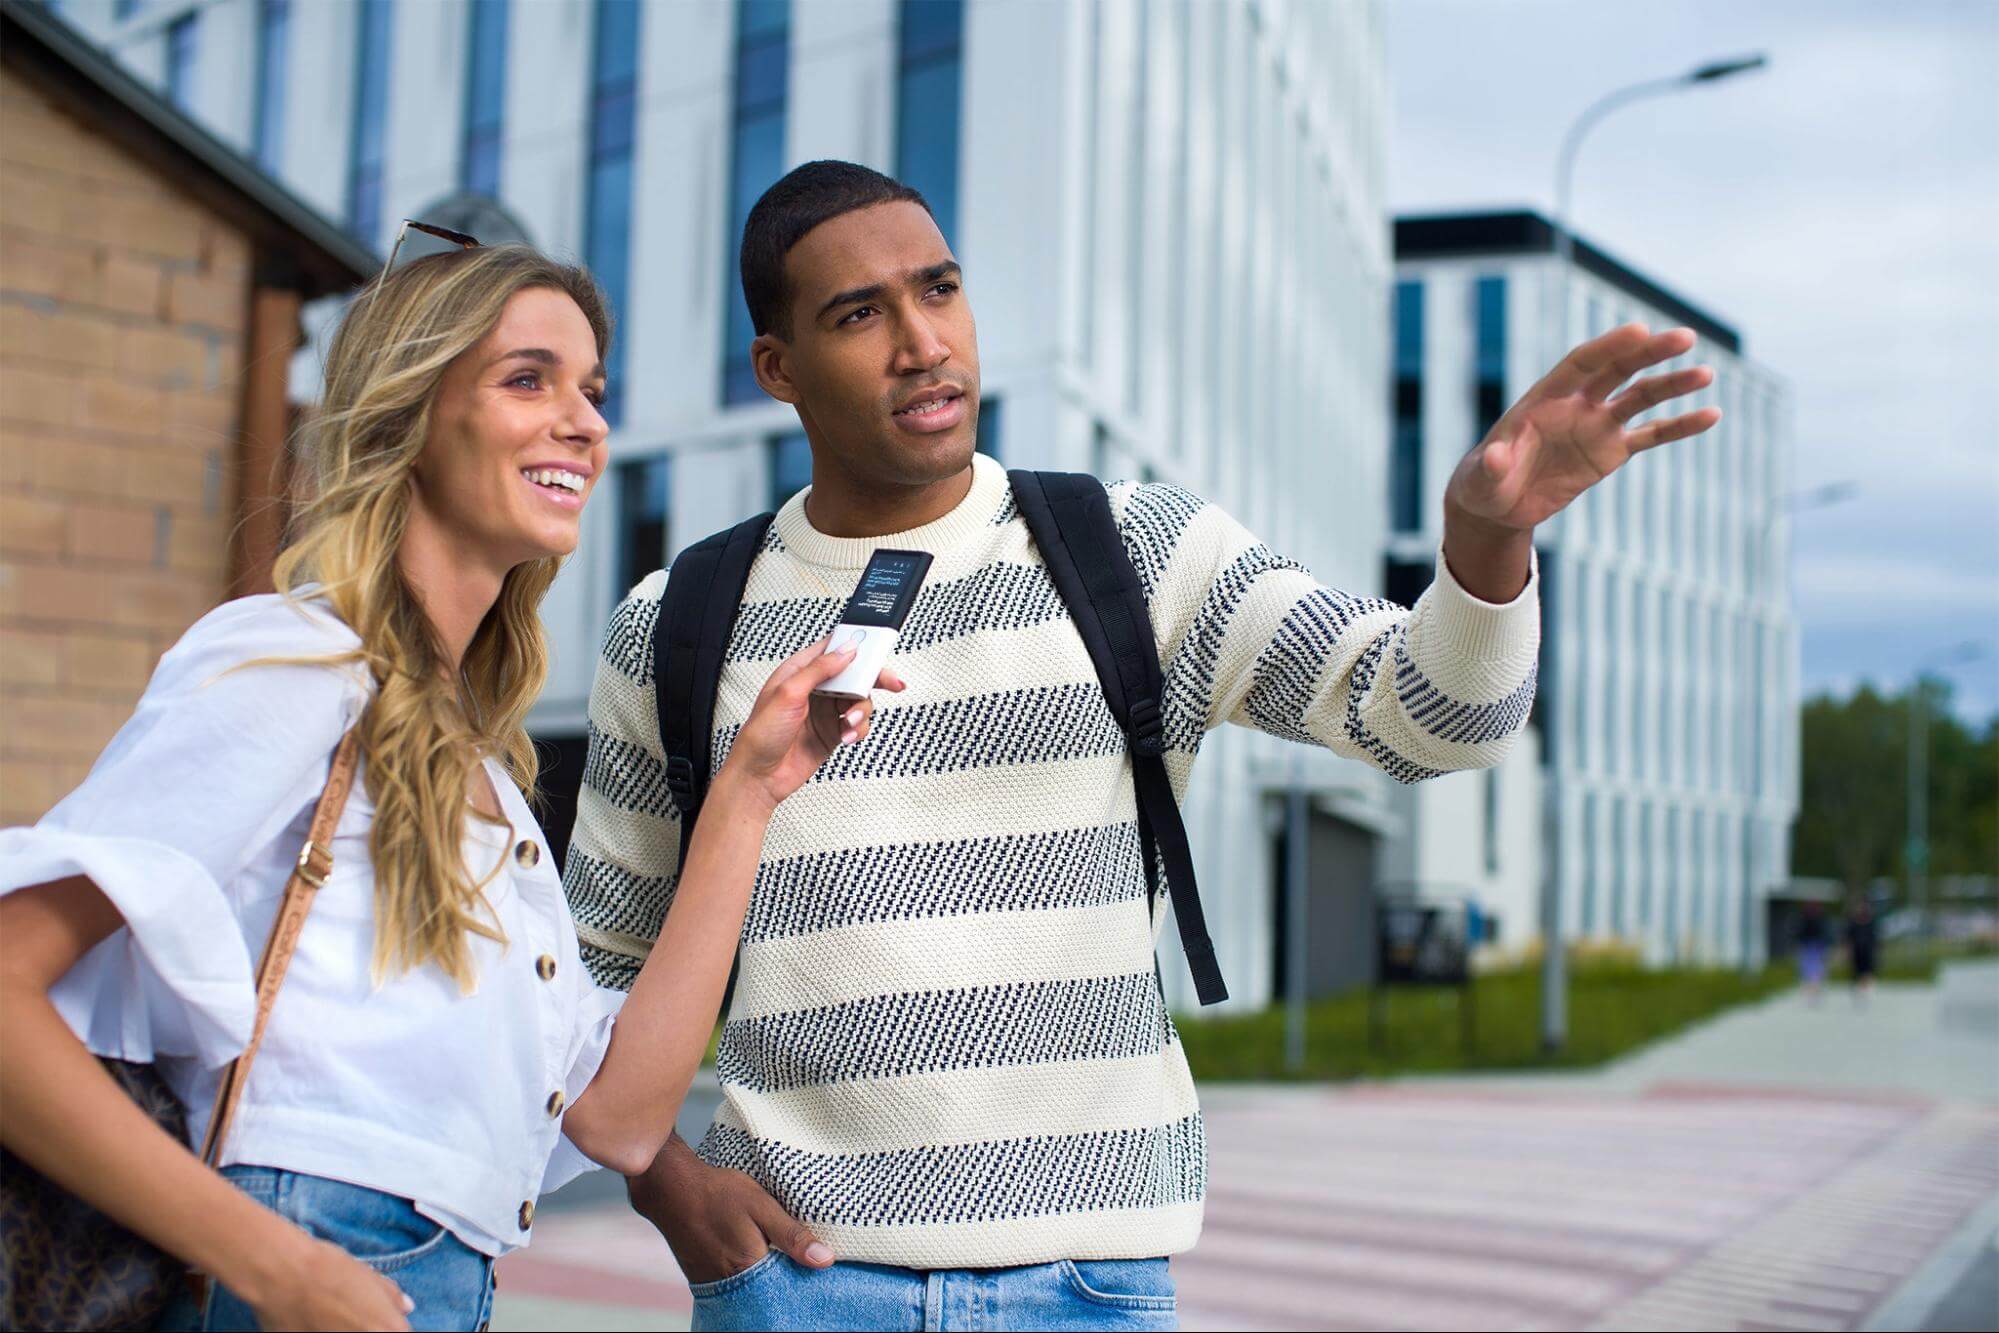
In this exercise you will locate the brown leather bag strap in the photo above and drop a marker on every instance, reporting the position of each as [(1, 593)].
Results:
[(315, 863)]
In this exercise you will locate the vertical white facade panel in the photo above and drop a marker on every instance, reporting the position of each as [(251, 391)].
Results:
[(548, 119), (423, 122), (682, 265)]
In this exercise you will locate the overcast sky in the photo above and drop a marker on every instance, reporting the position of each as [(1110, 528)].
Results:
[(1840, 208)]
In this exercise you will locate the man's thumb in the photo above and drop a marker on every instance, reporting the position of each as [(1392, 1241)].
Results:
[(787, 1233)]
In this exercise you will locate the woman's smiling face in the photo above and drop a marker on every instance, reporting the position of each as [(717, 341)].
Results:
[(517, 437)]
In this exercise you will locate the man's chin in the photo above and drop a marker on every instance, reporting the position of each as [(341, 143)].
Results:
[(927, 463)]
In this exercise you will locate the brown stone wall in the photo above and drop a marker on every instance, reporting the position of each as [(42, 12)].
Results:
[(122, 311)]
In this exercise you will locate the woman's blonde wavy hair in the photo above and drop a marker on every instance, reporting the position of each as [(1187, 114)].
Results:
[(423, 733)]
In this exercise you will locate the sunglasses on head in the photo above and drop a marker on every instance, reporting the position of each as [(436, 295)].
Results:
[(457, 238)]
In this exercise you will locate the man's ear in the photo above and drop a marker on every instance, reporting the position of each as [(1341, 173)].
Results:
[(770, 358)]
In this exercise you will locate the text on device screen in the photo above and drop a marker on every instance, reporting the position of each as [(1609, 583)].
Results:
[(887, 589)]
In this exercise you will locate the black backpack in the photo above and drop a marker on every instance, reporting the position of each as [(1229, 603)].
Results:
[(1069, 517)]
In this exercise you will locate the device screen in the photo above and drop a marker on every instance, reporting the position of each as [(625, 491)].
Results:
[(887, 589)]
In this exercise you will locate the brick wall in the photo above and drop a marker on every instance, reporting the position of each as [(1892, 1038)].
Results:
[(122, 311)]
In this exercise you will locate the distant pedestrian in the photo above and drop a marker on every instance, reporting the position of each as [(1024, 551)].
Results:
[(1814, 938), (1862, 935)]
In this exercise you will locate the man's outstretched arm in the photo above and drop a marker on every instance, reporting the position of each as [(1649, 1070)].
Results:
[(1251, 638)]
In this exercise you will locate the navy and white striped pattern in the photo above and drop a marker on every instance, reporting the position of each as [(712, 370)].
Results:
[(948, 1045), (997, 1180)]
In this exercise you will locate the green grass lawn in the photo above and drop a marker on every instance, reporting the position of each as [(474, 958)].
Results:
[(1613, 1008)]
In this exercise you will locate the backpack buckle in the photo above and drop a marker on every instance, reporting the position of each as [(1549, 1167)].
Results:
[(680, 782), (1147, 732)]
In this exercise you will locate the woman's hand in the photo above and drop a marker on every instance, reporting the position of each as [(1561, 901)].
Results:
[(321, 1286), (791, 731)]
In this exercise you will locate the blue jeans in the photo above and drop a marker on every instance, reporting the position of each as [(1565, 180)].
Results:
[(1070, 1294), (451, 1283)]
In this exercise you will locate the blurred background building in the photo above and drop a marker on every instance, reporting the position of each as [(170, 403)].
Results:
[(1669, 652), (1173, 220)]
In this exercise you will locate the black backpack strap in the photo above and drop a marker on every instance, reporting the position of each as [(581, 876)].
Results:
[(1069, 516), (697, 612)]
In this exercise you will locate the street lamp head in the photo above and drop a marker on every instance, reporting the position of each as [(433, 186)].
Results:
[(1721, 69)]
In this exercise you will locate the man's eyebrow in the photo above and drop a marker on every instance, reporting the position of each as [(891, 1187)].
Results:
[(544, 357), (873, 291)]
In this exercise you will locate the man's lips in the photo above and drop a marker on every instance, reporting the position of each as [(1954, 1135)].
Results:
[(932, 412), (929, 400)]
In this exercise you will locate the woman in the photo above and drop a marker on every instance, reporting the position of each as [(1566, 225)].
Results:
[(436, 1033)]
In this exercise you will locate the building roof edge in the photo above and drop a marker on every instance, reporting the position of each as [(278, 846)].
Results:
[(92, 86), (1524, 231)]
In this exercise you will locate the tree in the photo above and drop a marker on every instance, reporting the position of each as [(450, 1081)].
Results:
[(1853, 806)]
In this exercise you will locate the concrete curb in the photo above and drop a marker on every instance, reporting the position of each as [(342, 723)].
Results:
[(1911, 1305)]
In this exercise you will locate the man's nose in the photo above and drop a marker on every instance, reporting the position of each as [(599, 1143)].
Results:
[(919, 348)]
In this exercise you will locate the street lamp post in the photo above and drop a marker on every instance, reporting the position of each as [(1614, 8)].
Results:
[(1916, 854), (1554, 963), (1796, 502)]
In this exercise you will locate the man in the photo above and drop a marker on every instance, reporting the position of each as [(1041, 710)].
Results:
[(948, 1057)]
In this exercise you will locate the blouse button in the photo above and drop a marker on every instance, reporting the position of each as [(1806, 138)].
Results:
[(527, 1213), (555, 1103), (527, 853), (544, 967)]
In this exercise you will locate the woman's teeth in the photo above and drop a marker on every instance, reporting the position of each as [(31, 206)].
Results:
[(549, 476)]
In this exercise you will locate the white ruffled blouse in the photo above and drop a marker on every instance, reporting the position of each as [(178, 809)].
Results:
[(190, 823)]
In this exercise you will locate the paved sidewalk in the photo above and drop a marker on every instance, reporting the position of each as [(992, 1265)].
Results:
[(1937, 1042), (1783, 1166)]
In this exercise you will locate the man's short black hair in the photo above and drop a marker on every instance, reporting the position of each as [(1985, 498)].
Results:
[(807, 196)]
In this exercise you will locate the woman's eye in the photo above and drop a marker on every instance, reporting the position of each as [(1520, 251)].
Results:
[(597, 397), (527, 379)]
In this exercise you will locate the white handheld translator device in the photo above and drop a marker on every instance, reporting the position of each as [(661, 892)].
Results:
[(873, 619)]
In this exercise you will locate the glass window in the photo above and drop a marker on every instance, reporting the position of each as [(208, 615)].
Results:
[(1492, 821), (182, 35), (790, 467), (1642, 867), (1589, 866), (485, 97), (607, 226), (1612, 655), (645, 492), (1406, 466), (929, 77), (763, 72), (1619, 867), (1672, 870), (1490, 311), (274, 22), (1697, 875), (371, 97)]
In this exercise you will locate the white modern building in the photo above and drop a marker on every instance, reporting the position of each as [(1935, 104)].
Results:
[(1660, 776), (1170, 213)]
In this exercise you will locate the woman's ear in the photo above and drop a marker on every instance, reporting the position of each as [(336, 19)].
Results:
[(769, 357)]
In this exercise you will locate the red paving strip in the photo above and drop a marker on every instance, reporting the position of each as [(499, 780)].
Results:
[(521, 1273), (1401, 1209)]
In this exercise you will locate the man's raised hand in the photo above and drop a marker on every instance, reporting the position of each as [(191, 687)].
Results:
[(1573, 429)]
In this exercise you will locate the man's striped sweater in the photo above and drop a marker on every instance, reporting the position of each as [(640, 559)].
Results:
[(947, 1046)]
